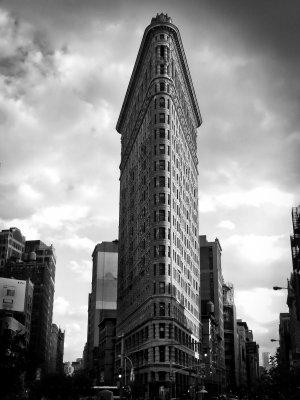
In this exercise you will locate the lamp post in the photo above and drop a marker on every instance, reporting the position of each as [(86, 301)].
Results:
[(131, 378), (173, 376)]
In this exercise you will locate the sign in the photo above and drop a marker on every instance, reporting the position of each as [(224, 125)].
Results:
[(12, 294)]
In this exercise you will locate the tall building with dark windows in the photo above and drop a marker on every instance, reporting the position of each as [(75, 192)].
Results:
[(230, 337), (12, 245), (212, 291), (293, 298), (158, 272), (102, 310), (38, 264)]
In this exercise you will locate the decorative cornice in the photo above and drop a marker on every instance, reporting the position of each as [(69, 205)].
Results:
[(158, 23)]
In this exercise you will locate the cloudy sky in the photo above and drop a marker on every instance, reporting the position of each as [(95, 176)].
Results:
[(64, 69)]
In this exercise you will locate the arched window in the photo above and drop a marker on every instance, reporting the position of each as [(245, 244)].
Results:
[(162, 102)]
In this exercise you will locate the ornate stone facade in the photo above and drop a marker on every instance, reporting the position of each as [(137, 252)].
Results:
[(158, 272)]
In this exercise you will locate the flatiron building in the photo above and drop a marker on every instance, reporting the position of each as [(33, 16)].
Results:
[(158, 302)]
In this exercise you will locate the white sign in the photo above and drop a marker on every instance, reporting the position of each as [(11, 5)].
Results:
[(12, 294)]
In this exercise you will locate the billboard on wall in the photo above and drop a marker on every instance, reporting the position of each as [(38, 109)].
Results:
[(107, 271), (12, 294)]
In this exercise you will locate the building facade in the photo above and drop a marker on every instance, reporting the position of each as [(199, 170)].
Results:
[(16, 298), (158, 273), (284, 340), (242, 328), (37, 265), (266, 360), (107, 345), (293, 297), (211, 278), (248, 360), (230, 337), (56, 350), (102, 300), (12, 245)]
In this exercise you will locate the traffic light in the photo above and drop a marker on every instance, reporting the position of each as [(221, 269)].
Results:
[(120, 373)]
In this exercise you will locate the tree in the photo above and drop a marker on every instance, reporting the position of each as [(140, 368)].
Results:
[(13, 363), (282, 381)]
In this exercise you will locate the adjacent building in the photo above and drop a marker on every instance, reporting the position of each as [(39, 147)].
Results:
[(102, 306), (16, 298), (284, 340), (158, 273), (242, 329), (211, 279), (293, 298), (56, 350), (37, 265), (248, 359), (230, 337), (266, 360), (12, 245)]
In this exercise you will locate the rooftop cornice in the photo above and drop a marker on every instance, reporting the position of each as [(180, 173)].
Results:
[(156, 23)]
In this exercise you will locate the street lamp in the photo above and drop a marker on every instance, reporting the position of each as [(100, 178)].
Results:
[(279, 288), (274, 340), (131, 370), (131, 378)]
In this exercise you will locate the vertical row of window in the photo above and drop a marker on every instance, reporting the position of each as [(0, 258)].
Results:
[(162, 103), (161, 251), (161, 289), (162, 118)]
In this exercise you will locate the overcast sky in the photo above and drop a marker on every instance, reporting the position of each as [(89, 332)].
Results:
[(64, 70)]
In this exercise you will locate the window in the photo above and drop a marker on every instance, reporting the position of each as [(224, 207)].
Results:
[(162, 331), (162, 117), (161, 69), (162, 102), (162, 165), (162, 133), (162, 86), (161, 268), (162, 181), (162, 288), (161, 250), (161, 215), (162, 309), (162, 149), (161, 233), (161, 353), (161, 198)]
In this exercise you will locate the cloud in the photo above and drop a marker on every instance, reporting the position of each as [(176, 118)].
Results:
[(255, 197), (83, 269), (257, 305), (226, 225), (256, 248), (79, 243), (61, 306)]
